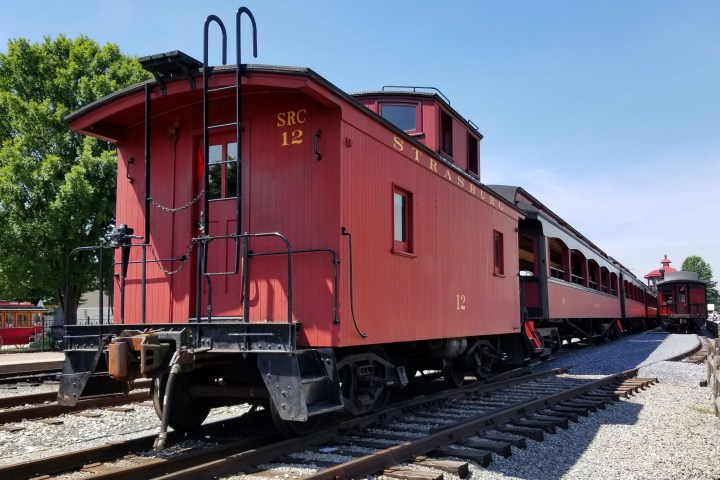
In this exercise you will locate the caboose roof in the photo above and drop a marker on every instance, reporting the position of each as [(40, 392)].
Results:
[(110, 117), (681, 276)]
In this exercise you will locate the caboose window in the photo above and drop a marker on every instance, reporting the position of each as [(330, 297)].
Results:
[(222, 171), (473, 155), (231, 173), (446, 139), (402, 116), (402, 225), (499, 253)]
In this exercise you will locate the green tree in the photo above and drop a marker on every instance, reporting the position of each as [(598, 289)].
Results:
[(57, 188), (696, 264)]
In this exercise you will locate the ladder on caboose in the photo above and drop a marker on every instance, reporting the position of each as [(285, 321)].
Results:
[(206, 238)]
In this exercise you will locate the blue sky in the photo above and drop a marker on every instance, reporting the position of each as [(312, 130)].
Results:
[(607, 111)]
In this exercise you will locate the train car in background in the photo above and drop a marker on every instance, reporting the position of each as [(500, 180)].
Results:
[(682, 299), (571, 288), (20, 322)]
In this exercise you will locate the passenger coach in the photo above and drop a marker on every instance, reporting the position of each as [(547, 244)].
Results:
[(571, 288), (20, 322)]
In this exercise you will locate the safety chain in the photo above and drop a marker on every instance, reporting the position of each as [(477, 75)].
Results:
[(182, 265), (178, 209)]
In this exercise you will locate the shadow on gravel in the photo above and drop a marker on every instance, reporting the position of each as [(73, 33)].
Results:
[(559, 453), (613, 357)]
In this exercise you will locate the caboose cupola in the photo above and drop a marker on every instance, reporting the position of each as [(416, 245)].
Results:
[(425, 114)]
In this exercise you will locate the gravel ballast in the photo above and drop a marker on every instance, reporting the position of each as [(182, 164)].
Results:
[(668, 431)]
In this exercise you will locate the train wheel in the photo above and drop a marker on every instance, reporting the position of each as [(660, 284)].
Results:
[(454, 376), (363, 381), (186, 413), (288, 428)]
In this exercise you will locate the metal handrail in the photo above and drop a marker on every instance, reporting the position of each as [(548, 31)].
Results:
[(245, 237)]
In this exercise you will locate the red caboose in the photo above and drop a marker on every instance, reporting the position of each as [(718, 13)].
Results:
[(278, 230), (682, 298)]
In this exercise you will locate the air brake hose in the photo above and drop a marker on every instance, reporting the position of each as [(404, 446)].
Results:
[(162, 436)]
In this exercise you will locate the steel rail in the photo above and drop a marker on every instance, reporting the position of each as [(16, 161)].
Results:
[(20, 400), (400, 453), (236, 456), (111, 450), (238, 461), (53, 410)]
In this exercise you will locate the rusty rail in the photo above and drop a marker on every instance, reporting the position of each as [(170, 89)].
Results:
[(405, 451), (54, 410)]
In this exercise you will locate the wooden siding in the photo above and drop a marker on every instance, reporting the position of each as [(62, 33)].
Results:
[(286, 190), (570, 301), (447, 288), (634, 309)]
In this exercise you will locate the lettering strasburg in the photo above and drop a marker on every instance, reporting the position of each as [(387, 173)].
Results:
[(448, 174)]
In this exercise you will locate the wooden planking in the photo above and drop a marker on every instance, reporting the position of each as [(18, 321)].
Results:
[(569, 301), (452, 239)]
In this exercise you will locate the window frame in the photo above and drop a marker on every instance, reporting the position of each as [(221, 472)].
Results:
[(224, 163), (418, 130), (446, 134), (473, 155), (498, 254), (403, 246)]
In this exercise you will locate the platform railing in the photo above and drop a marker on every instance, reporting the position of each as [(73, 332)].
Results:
[(713, 374)]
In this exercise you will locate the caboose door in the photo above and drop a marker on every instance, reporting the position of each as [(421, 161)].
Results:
[(226, 291), (682, 300)]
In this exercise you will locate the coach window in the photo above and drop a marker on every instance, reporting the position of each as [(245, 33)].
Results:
[(526, 250), (402, 221), (473, 146), (558, 259), (593, 275), (578, 268), (222, 171), (604, 279), (499, 253), (404, 116)]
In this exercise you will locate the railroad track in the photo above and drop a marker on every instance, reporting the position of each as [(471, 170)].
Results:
[(31, 376), (466, 424), (36, 405), (700, 355)]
